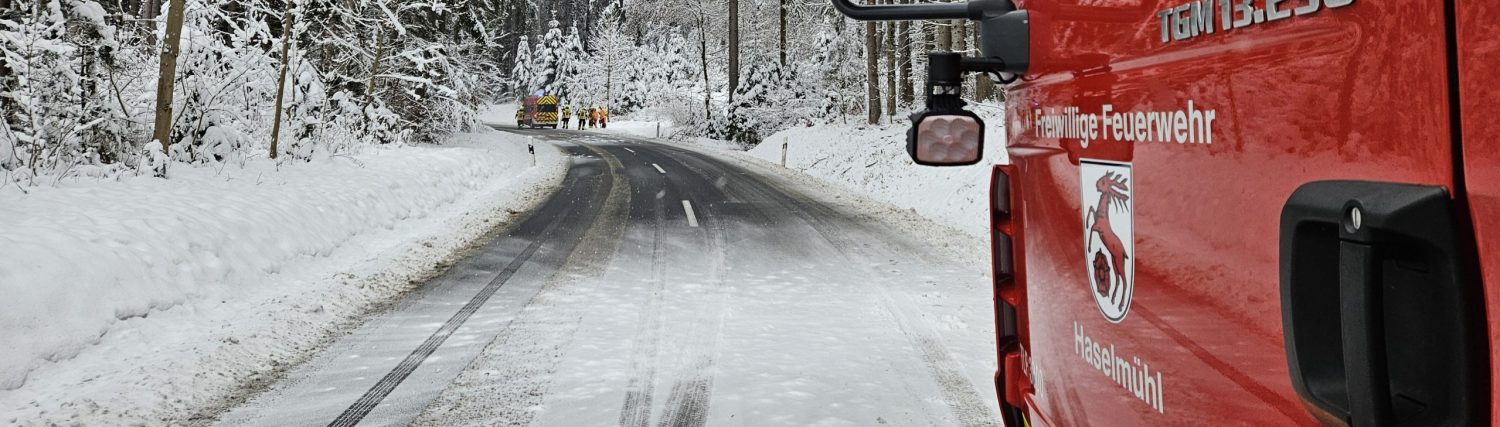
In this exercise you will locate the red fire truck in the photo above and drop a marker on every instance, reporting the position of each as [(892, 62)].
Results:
[(538, 111), (1236, 212)]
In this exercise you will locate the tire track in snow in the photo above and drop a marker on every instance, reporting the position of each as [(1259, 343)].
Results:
[(780, 204), (636, 410), (513, 372), (688, 403), (957, 391), (377, 393)]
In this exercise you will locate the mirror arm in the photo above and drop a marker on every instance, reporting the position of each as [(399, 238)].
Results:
[(982, 65), (956, 135)]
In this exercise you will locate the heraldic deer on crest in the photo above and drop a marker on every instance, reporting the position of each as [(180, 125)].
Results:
[(1112, 189)]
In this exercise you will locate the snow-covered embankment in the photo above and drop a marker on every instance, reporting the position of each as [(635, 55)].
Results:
[(147, 300), (872, 160)]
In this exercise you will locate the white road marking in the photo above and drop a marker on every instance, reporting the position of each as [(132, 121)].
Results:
[(692, 218), (630, 150), (658, 168)]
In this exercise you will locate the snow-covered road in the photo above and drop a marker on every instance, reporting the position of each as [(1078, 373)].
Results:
[(667, 286)]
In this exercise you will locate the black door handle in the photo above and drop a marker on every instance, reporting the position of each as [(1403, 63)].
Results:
[(1362, 322), (1382, 326)]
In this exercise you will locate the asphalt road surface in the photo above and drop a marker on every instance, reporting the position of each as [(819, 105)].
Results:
[(664, 286)]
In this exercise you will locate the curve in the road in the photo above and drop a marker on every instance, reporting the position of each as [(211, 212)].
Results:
[(690, 213)]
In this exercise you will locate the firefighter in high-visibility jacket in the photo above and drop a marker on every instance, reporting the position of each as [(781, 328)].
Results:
[(583, 117), (567, 113), (603, 117), (520, 115)]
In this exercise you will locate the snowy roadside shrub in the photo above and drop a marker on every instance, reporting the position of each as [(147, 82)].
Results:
[(771, 99)]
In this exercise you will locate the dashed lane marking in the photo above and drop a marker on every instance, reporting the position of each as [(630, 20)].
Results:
[(692, 218), (658, 168)]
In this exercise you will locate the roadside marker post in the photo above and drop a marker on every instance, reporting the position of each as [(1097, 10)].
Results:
[(531, 149)]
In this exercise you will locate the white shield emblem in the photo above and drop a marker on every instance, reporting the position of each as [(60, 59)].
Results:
[(1109, 236)]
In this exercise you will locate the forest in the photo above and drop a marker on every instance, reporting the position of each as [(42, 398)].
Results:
[(129, 87)]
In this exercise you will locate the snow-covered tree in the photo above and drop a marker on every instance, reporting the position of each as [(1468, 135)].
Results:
[(551, 59), (521, 74), (570, 64), (54, 58), (770, 99)]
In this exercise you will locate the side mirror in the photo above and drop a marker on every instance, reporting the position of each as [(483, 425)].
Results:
[(946, 139)]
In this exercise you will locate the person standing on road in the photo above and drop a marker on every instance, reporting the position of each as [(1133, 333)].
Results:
[(603, 117), (582, 117), (593, 118), (567, 114)]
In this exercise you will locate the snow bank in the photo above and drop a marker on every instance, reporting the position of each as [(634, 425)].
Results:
[(643, 128), (157, 296), (498, 114), (872, 160)]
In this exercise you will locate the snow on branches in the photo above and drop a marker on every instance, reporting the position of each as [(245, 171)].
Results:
[(78, 80)]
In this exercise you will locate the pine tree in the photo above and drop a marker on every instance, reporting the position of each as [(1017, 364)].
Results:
[(522, 74), (550, 59)]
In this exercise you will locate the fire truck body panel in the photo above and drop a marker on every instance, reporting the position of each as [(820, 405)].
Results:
[(529, 103), (1187, 150), (1478, 58), (540, 111), (547, 112)]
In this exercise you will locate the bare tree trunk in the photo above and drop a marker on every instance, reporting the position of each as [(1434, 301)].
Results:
[(872, 71), (944, 35), (609, 80), (167, 81), (708, 89), (5, 71), (734, 47), (150, 10), (783, 33), (286, 44), (903, 48), (890, 65), (984, 87), (929, 34), (325, 62), (960, 35), (961, 44), (375, 68)]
